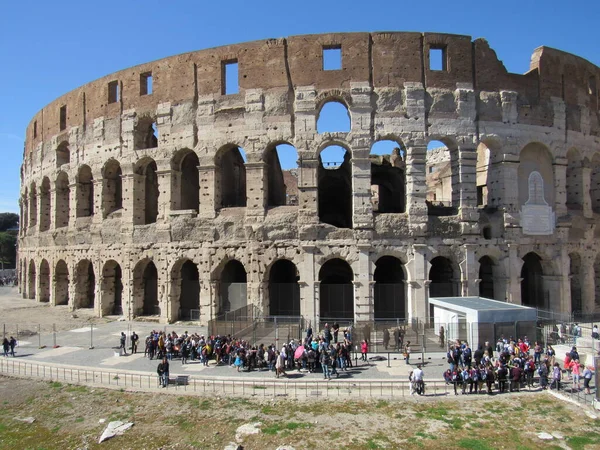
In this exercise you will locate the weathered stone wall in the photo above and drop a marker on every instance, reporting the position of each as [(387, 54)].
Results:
[(140, 147)]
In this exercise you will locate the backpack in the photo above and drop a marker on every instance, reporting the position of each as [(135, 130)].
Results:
[(467, 352)]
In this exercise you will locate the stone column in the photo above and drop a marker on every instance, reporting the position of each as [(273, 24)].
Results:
[(128, 189), (364, 308), (560, 186), (98, 184), (512, 268), (256, 201), (469, 268), (308, 208), (309, 286), (588, 285), (418, 292), (508, 189), (416, 188), (164, 196), (586, 180), (467, 192), (557, 289), (362, 214), (73, 287), (98, 300), (206, 175), (72, 204)]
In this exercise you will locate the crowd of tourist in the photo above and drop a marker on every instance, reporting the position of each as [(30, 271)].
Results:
[(8, 281), (511, 365)]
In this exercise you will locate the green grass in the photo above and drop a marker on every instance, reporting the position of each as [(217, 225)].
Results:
[(290, 426), (55, 384), (474, 444)]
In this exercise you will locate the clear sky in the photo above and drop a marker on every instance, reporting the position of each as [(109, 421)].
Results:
[(48, 48)]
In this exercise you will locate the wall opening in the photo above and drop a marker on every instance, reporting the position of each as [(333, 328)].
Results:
[(185, 181), (146, 193), (145, 289), (443, 278), (334, 178), (532, 284), (388, 177), (438, 58), (61, 283), (230, 77), (31, 279), (113, 92), (439, 180), (45, 205), (44, 281), (85, 192), (85, 285), (282, 175), (284, 290), (592, 89), (63, 154), (62, 122), (112, 289), (332, 57), (230, 171), (333, 117), (486, 275), (62, 212), (189, 295), (575, 283), (336, 291), (482, 169), (146, 83), (232, 287), (389, 289), (146, 134), (112, 188), (35, 129)]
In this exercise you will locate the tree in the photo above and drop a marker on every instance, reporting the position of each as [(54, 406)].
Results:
[(8, 250), (8, 220)]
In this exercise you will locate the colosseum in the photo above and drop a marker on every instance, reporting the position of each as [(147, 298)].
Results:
[(160, 190)]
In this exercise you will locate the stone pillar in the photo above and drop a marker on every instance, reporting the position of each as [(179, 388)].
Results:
[(256, 201), (557, 288), (98, 300), (127, 299), (206, 175), (362, 214), (588, 285), (73, 287), (416, 188), (512, 267), (53, 286), (98, 184), (309, 286), (467, 192), (586, 180), (308, 208), (469, 268), (164, 196), (363, 305), (206, 306), (560, 186), (72, 204), (508, 189), (172, 295), (418, 292)]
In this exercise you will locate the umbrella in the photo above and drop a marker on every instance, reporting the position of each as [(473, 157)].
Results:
[(299, 352)]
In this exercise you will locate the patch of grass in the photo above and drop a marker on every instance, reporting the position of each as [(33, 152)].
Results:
[(290, 426), (79, 419), (424, 435), (382, 404), (473, 444), (55, 384), (76, 388), (371, 444), (580, 442)]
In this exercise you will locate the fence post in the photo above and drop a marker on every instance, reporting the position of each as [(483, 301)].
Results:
[(91, 336), (54, 334), (4, 332), (39, 336)]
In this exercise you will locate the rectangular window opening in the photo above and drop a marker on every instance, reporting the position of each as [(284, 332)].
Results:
[(592, 86), (332, 57), (146, 83), (113, 92), (63, 118), (231, 83), (35, 129), (438, 58)]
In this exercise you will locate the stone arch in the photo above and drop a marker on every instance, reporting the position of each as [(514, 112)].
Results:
[(33, 216), (146, 133), (284, 290), (532, 284), (62, 207), (112, 289), (444, 276), (145, 289), (230, 177), (388, 176), (536, 157), (487, 269), (575, 283), (85, 192), (595, 183), (31, 280), (185, 289), (232, 287), (63, 154), (61, 283), (336, 290), (85, 285), (145, 192), (442, 177), (333, 115), (282, 175), (112, 187), (44, 295), (389, 290), (45, 204), (335, 190), (185, 181)]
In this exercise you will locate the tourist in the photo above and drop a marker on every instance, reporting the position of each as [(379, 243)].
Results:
[(595, 334), (417, 379), (122, 340), (325, 363), (587, 377), (556, 376), (386, 338), (576, 371), (5, 347), (336, 330), (407, 352), (134, 342), (12, 342), (163, 373), (364, 350)]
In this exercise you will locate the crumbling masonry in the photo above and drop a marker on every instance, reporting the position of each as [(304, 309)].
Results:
[(136, 198)]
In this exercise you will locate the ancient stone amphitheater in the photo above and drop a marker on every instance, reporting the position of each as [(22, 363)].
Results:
[(159, 190)]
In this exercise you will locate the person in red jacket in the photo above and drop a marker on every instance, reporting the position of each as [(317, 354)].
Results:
[(364, 349)]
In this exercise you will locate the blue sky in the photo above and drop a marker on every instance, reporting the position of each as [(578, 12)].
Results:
[(49, 48)]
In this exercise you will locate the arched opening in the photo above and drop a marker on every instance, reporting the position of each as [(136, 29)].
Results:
[(284, 290), (482, 169), (282, 175), (112, 188), (145, 289), (230, 174), (443, 278), (33, 206), (232, 287), (31, 278), (146, 133), (85, 285), (486, 277), (595, 183), (333, 117), (189, 295), (532, 284), (388, 177), (61, 282), (145, 193), (45, 205), (440, 180), (334, 176), (63, 154), (186, 181), (574, 180), (44, 281), (336, 291), (389, 289), (575, 283), (535, 157), (62, 201), (112, 289), (85, 192)]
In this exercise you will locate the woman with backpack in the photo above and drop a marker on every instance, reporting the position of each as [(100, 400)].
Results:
[(556, 376)]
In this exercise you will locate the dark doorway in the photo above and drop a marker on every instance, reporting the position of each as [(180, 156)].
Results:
[(442, 278), (233, 287), (284, 291), (150, 286), (189, 297), (336, 291), (532, 284), (486, 275), (389, 289), (334, 176)]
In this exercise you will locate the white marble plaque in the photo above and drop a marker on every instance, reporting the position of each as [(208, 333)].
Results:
[(538, 220)]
